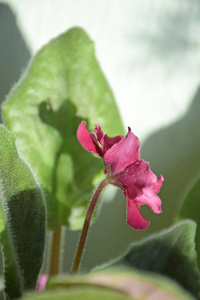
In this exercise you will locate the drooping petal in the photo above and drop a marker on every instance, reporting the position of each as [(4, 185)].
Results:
[(137, 177), (88, 140), (134, 218), (124, 153), (141, 185)]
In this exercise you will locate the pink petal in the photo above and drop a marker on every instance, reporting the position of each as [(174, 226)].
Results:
[(137, 177), (88, 141), (110, 141), (124, 153), (134, 218), (42, 282), (141, 185), (99, 133), (151, 199), (158, 185)]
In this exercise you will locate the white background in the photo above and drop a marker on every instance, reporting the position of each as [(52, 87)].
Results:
[(148, 50)]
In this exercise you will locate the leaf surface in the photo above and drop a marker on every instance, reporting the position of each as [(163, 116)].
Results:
[(170, 253), (22, 219), (118, 285), (62, 86), (191, 210)]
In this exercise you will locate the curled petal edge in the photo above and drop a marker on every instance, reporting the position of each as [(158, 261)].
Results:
[(159, 184)]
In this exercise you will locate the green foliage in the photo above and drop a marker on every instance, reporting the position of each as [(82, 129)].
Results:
[(78, 294), (170, 253), (191, 210), (63, 86), (22, 219), (113, 286)]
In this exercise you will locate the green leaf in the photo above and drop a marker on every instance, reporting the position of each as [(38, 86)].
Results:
[(1, 288), (22, 219), (108, 285), (191, 210), (63, 86), (78, 294), (170, 253)]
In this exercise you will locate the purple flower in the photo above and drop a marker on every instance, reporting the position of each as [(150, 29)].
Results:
[(123, 166)]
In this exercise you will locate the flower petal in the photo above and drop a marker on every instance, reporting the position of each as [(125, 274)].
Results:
[(110, 141), (99, 133), (134, 218), (141, 185), (151, 199), (158, 185), (137, 177), (88, 140), (42, 281), (124, 153)]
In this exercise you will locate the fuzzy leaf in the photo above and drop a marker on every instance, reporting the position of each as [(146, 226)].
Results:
[(170, 253), (22, 219), (191, 210), (80, 294), (63, 86), (108, 285)]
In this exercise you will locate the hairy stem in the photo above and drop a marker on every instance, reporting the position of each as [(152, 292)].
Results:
[(87, 224), (54, 266)]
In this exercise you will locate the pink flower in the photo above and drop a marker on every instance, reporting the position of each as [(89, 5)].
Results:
[(42, 281), (124, 168)]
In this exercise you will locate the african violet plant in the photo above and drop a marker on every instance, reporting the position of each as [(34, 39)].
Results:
[(46, 179)]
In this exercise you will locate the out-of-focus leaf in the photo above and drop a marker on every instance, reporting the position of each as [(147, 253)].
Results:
[(191, 210), (1, 289), (170, 253), (63, 86), (118, 285), (22, 219), (87, 293)]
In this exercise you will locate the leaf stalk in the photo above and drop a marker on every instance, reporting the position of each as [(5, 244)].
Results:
[(54, 266)]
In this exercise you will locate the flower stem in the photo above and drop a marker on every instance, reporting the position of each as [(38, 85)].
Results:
[(86, 225), (54, 266)]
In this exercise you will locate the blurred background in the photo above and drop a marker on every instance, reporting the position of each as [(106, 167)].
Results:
[(150, 53)]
